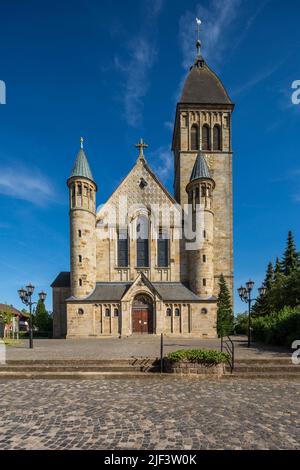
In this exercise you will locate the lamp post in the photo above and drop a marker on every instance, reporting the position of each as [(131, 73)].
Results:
[(26, 298), (245, 296)]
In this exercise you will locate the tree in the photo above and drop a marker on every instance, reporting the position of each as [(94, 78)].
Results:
[(277, 296), (263, 306), (290, 260), (41, 317), (224, 313)]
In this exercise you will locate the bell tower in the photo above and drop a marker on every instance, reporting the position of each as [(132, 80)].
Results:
[(82, 227), (203, 122)]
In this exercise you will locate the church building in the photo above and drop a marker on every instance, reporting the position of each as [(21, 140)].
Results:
[(133, 269)]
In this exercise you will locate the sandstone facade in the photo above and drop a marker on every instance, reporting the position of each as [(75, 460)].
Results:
[(134, 268)]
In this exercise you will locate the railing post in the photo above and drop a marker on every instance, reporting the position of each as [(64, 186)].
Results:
[(161, 353)]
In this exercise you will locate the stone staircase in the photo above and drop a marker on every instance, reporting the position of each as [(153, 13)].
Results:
[(264, 368), (78, 369), (251, 368)]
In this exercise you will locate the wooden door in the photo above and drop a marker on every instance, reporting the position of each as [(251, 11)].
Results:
[(142, 321)]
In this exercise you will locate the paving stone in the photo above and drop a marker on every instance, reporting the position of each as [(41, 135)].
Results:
[(139, 414)]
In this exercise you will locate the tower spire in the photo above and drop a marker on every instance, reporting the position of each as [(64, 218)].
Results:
[(81, 142), (198, 42)]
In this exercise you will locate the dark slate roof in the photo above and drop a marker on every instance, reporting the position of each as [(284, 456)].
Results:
[(114, 291), (62, 280), (81, 167), (200, 169), (202, 86), (175, 291)]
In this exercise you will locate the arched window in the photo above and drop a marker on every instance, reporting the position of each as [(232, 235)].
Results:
[(107, 312), (163, 249), (177, 312), (168, 312), (80, 258), (116, 312), (142, 242), (79, 190), (123, 248), (217, 137), (194, 137), (204, 311), (205, 137), (80, 311), (80, 282)]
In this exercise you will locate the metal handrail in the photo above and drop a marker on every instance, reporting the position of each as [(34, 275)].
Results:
[(228, 347)]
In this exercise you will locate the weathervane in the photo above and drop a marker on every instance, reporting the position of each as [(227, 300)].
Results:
[(198, 43), (81, 142)]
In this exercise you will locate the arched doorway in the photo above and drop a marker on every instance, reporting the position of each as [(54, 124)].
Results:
[(142, 314)]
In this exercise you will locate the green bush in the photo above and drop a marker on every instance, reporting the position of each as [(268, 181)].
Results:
[(241, 324), (280, 328), (204, 356)]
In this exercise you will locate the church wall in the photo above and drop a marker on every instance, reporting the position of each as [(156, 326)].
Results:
[(191, 322), (59, 295)]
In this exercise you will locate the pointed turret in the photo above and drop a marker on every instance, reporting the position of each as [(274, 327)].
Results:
[(82, 226)]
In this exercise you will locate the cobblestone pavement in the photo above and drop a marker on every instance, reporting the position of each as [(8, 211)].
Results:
[(158, 413), (110, 348)]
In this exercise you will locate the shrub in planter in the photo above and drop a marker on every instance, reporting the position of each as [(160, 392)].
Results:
[(200, 356), (196, 361)]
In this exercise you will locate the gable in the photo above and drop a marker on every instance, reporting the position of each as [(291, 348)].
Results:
[(140, 187)]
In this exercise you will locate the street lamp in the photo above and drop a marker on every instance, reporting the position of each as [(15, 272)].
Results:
[(26, 298), (245, 296)]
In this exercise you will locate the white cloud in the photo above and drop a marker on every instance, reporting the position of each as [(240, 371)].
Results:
[(216, 20), (28, 185), (139, 58), (162, 159)]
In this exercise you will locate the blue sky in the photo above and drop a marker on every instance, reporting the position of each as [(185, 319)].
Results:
[(112, 72)]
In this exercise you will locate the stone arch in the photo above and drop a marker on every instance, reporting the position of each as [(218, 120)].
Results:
[(142, 313)]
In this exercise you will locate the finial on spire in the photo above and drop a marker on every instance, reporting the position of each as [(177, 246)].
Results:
[(198, 42), (141, 146), (81, 142)]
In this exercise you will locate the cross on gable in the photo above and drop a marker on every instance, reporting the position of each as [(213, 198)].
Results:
[(141, 146)]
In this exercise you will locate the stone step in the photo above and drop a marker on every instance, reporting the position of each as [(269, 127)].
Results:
[(264, 360), (266, 368), (263, 375), (75, 375), (66, 368), (81, 362)]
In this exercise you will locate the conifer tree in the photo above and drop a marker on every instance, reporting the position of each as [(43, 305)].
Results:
[(41, 317), (263, 306), (290, 260), (224, 313)]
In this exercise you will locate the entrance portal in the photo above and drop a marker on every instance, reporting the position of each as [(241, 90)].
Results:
[(142, 314)]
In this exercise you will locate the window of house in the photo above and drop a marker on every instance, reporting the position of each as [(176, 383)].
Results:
[(177, 312), (123, 248), (142, 242), (194, 137), (79, 233), (168, 312), (107, 312), (217, 138), (80, 282), (204, 311), (204, 258), (163, 249), (79, 190), (80, 311), (204, 282), (204, 233), (79, 258), (116, 312), (205, 137)]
